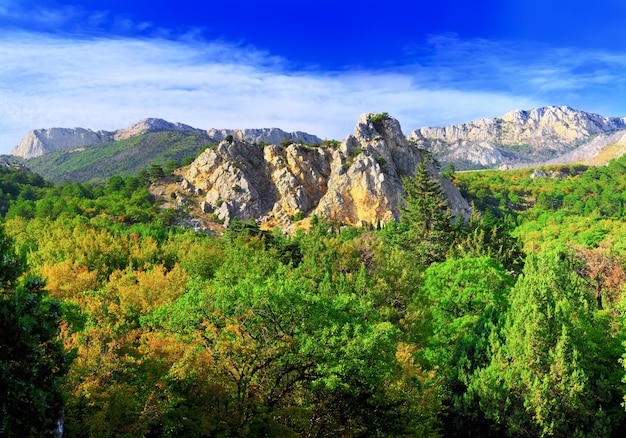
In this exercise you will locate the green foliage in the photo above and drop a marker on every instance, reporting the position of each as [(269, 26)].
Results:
[(426, 222), (156, 171), (286, 141), (331, 144), (540, 382), (123, 157), (186, 161), (170, 166), (448, 172), (32, 358), (486, 235), (414, 328), (16, 184), (378, 119)]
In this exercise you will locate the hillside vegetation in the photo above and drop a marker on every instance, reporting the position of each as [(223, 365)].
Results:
[(123, 158), (508, 324)]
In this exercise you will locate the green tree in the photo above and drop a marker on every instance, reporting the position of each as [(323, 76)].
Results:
[(467, 300), (156, 171), (448, 172), (541, 380), (425, 219), (171, 166), (32, 358)]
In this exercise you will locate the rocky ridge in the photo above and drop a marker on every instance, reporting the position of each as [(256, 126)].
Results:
[(42, 141), (517, 138), (357, 183)]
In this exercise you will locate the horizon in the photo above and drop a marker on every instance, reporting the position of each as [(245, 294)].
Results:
[(302, 66)]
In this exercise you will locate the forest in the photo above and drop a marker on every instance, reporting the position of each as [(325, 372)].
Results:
[(116, 322)]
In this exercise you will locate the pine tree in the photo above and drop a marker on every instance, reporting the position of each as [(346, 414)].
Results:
[(539, 383), (425, 220)]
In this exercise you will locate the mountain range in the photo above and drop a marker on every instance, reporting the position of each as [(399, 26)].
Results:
[(548, 135), (43, 141), (280, 178)]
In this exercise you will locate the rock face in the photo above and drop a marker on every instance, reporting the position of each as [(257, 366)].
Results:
[(42, 141), (357, 183), (267, 135), (516, 138)]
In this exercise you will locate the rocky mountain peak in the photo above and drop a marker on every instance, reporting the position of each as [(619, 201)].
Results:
[(518, 137), (151, 125), (357, 183)]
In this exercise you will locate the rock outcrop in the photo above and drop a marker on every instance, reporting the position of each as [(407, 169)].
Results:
[(357, 183), (42, 141), (516, 138)]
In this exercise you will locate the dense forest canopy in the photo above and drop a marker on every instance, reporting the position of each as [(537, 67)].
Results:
[(117, 322)]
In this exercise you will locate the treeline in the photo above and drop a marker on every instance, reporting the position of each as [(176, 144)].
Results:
[(427, 327)]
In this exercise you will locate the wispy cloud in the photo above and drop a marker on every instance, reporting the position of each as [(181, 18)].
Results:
[(111, 82)]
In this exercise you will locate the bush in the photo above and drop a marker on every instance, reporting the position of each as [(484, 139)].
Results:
[(378, 119)]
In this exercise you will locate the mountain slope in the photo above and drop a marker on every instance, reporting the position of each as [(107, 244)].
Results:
[(122, 157), (518, 138)]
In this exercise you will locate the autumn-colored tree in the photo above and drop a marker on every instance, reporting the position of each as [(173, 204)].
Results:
[(32, 358), (604, 271)]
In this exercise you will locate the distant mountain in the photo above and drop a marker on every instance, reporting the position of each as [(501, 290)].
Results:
[(121, 157), (43, 141), (555, 134)]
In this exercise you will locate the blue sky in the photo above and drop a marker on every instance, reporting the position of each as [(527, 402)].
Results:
[(306, 65)]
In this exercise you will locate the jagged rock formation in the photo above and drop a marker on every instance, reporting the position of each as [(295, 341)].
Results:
[(517, 138), (42, 141), (357, 183)]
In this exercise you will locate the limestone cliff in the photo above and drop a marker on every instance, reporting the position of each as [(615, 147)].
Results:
[(357, 183), (516, 138), (42, 141)]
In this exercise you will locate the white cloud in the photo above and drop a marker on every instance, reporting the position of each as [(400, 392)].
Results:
[(99, 83), (110, 83)]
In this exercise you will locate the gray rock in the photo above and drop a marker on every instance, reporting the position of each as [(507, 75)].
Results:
[(516, 139), (360, 182)]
